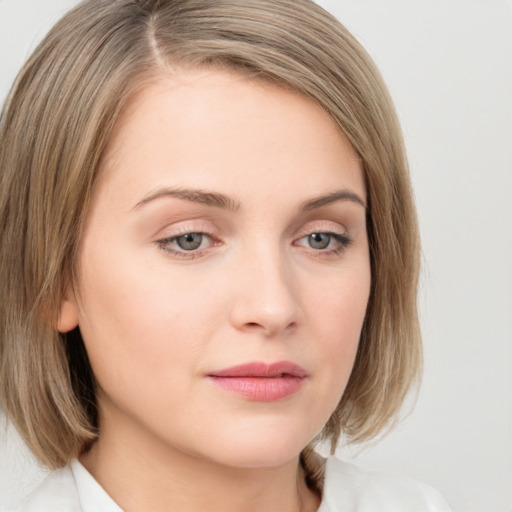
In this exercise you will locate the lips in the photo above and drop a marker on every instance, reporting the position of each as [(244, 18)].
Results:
[(260, 381)]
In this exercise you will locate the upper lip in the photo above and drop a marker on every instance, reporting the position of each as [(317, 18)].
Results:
[(262, 369)]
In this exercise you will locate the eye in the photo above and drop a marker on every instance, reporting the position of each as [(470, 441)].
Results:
[(187, 244), (319, 240), (325, 242), (190, 241)]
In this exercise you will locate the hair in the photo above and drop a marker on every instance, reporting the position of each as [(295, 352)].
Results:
[(54, 129)]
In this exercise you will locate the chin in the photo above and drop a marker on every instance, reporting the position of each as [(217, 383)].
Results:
[(259, 451), (259, 459)]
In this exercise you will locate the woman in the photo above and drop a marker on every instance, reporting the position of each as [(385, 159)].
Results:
[(210, 259)]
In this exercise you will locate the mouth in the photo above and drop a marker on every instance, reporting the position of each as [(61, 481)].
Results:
[(260, 381)]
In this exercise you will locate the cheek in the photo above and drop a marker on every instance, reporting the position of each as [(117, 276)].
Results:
[(140, 316), (340, 312), (341, 303)]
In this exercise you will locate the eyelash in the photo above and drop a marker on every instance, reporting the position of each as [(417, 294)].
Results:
[(165, 245), (342, 240)]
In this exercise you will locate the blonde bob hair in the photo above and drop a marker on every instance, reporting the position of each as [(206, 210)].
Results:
[(54, 129)]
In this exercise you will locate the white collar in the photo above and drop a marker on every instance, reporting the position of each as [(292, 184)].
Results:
[(93, 498)]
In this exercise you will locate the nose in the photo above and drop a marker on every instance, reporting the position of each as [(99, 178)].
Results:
[(265, 298)]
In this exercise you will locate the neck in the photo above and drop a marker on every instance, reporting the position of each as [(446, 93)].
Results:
[(147, 477)]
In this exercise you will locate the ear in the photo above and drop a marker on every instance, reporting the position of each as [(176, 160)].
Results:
[(68, 314)]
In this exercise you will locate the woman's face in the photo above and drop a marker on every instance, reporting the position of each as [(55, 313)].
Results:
[(224, 271)]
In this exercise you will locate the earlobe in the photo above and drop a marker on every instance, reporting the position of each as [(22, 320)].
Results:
[(68, 314)]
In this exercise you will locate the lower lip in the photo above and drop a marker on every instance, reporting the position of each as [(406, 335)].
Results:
[(261, 389)]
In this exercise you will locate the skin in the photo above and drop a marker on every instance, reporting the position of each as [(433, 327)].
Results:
[(156, 322)]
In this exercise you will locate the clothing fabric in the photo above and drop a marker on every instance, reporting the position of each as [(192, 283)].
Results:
[(349, 489), (346, 489)]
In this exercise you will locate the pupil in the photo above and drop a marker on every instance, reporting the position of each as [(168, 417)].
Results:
[(319, 240), (190, 241)]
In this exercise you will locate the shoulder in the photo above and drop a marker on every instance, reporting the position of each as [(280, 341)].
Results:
[(348, 488), (56, 492)]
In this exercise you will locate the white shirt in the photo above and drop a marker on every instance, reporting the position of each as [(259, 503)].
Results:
[(346, 489)]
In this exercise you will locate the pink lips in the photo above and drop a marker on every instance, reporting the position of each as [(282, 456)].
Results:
[(261, 382)]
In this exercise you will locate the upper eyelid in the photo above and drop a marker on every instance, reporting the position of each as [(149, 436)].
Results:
[(325, 226), (184, 227), (324, 229), (300, 233), (211, 228)]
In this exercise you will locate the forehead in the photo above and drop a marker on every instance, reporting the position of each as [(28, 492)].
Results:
[(223, 127)]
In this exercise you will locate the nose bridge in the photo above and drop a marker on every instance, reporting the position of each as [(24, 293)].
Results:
[(265, 296)]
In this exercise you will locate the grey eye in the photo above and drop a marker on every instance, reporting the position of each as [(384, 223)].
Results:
[(319, 240), (190, 241)]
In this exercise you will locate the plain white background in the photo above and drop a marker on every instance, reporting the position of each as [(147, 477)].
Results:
[(448, 64)]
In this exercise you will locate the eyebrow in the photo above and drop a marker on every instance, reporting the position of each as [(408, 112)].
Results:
[(338, 195), (214, 199), (218, 200)]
